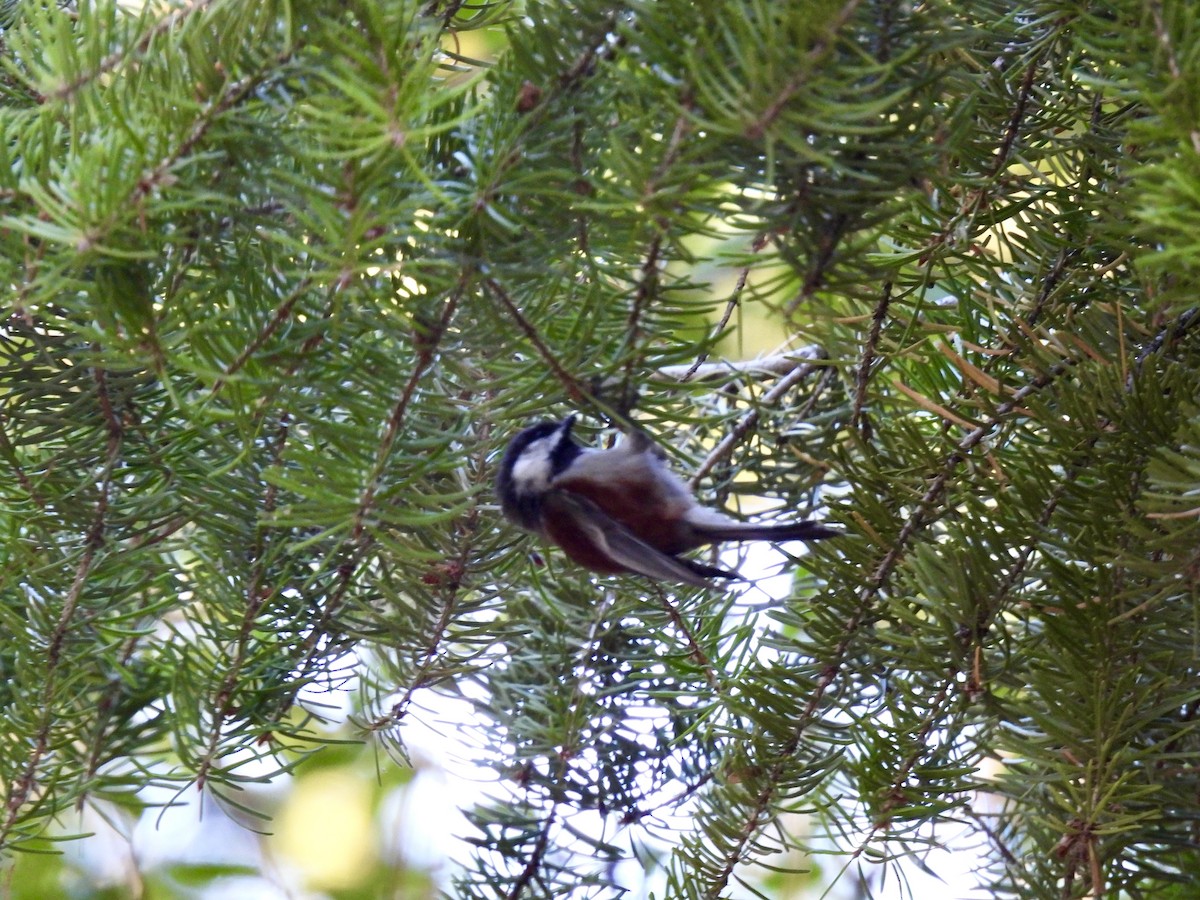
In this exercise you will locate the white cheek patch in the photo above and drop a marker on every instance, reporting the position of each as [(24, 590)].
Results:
[(532, 470)]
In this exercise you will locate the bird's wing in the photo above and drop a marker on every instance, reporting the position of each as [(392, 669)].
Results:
[(620, 544)]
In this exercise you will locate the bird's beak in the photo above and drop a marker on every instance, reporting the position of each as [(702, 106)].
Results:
[(567, 424)]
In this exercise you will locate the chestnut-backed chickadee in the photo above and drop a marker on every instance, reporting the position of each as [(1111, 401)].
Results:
[(620, 510)]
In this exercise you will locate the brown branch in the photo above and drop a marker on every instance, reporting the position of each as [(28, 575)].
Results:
[(1051, 281), (230, 97), (105, 705), (838, 223), (535, 859), (35, 252), (819, 48), (868, 356), (421, 677), (24, 784), (1004, 151), (445, 13), (937, 487), (10, 452), (1175, 330), (826, 252), (895, 790), (699, 657), (539, 100), (161, 173), (581, 186), (282, 312), (647, 286), (568, 749), (572, 386), (731, 304), (647, 289), (351, 551), (976, 200), (675, 801), (571, 79), (994, 605), (1009, 856)]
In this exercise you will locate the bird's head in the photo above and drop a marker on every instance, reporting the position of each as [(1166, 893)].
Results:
[(533, 458)]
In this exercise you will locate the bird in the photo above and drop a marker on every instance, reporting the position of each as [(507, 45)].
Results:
[(621, 510)]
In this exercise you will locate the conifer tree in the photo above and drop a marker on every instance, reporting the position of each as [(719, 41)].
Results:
[(284, 278)]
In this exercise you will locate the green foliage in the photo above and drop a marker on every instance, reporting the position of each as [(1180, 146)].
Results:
[(284, 278)]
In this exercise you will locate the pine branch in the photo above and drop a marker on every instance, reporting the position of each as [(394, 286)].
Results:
[(22, 790), (286, 279)]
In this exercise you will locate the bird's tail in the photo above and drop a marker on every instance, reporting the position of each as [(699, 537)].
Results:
[(750, 531)]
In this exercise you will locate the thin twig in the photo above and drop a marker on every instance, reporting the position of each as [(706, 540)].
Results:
[(256, 597), (646, 290), (1014, 122), (735, 299), (1174, 330), (750, 420), (452, 589), (868, 356), (10, 453), (22, 786), (282, 312), (819, 48), (572, 386), (895, 790), (110, 62), (568, 749), (699, 657), (354, 549), (648, 283)]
